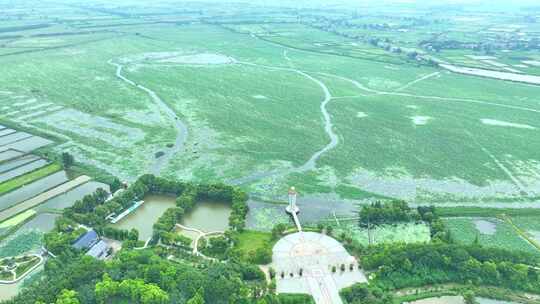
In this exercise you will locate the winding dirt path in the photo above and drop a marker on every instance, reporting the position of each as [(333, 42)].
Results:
[(180, 128), (418, 80)]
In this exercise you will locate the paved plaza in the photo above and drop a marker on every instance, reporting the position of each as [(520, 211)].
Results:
[(303, 262)]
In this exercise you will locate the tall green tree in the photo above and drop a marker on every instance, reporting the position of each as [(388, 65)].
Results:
[(67, 160), (197, 298), (67, 297)]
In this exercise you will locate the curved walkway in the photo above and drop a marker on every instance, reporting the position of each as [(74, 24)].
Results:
[(201, 234), (145, 245), (22, 276), (179, 126)]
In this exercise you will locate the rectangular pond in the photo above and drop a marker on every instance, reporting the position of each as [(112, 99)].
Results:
[(9, 154), (480, 300), (29, 144), (70, 197), (22, 170), (28, 191), (12, 164), (43, 222), (146, 215), (8, 139), (5, 132)]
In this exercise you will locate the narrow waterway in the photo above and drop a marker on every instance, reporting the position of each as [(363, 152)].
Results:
[(180, 128), (311, 163), (328, 126)]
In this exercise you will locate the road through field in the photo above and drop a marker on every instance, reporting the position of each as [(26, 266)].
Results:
[(179, 126)]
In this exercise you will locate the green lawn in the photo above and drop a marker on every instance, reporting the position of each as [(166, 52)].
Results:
[(20, 181), (249, 241)]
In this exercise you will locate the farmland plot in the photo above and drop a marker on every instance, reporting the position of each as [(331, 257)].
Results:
[(32, 189), (9, 165), (9, 154), (489, 232), (42, 197), (8, 139), (68, 198), (29, 144), (23, 170), (5, 132)]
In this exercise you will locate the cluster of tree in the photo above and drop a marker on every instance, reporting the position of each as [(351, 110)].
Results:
[(175, 239), (167, 222), (261, 255), (90, 202), (363, 293), (488, 48), (438, 230), (379, 213), (278, 230), (143, 276), (115, 185), (93, 209), (414, 265), (63, 236), (217, 247), (118, 234), (67, 160), (284, 298), (136, 290), (65, 297)]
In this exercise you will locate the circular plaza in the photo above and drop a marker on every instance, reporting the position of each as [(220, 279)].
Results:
[(316, 264)]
